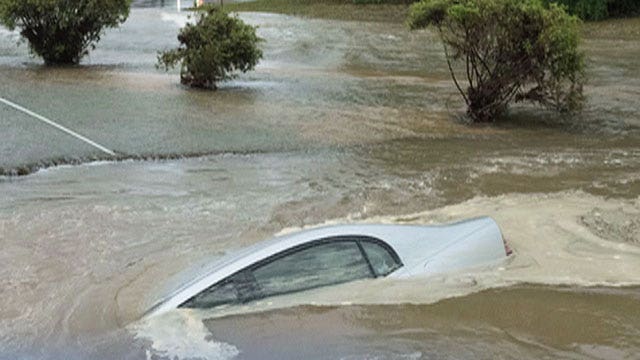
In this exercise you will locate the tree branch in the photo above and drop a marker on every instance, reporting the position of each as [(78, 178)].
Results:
[(453, 75)]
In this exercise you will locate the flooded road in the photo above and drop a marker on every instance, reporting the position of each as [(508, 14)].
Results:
[(341, 122)]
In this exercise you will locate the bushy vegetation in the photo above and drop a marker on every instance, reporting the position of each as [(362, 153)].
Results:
[(622, 8), (585, 9), (213, 49), (508, 50), (599, 9), (591, 10), (62, 31)]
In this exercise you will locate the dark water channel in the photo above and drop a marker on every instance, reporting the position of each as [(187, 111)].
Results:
[(341, 122)]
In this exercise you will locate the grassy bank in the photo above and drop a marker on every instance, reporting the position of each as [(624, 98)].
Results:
[(391, 11), (394, 11), (614, 29)]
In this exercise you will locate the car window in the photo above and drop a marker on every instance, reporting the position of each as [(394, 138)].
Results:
[(219, 294), (320, 265), (381, 259), (324, 263)]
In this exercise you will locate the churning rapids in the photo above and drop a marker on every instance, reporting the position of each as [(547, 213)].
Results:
[(341, 122)]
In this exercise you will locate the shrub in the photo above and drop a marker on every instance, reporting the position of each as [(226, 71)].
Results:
[(62, 31), (212, 49), (508, 50)]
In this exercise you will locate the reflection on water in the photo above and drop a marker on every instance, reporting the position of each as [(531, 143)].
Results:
[(344, 121)]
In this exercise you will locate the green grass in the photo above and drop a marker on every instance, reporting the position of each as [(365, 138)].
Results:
[(394, 11), (613, 29)]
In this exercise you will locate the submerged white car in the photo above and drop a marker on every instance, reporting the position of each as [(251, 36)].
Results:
[(337, 254)]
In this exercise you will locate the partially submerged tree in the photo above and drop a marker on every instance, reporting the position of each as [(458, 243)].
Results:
[(213, 49), (62, 31), (508, 50)]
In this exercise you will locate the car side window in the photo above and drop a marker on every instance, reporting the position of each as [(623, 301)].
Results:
[(381, 259), (319, 265), (219, 294)]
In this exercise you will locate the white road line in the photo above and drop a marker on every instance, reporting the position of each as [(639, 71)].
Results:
[(57, 126)]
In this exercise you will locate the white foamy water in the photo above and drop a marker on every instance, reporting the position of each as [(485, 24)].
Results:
[(180, 335)]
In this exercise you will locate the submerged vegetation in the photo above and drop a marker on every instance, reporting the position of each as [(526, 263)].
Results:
[(507, 50), (62, 31), (213, 49)]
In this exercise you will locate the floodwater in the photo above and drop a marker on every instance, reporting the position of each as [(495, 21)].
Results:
[(341, 122)]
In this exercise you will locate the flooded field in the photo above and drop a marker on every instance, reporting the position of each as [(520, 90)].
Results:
[(341, 122)]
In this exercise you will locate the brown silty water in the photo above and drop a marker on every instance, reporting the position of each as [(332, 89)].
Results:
[(341, 122)]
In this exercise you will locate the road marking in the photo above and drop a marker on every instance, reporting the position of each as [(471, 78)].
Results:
[(57, 126)]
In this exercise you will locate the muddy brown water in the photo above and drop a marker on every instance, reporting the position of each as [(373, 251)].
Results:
[(341, 122)]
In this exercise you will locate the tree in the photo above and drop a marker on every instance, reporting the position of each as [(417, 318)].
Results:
[(508, 50), (212, 49), (62, 31)]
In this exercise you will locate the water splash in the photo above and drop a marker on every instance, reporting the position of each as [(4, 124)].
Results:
[(181, 335)]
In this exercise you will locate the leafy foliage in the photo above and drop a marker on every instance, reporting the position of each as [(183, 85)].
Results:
[(585, 9), (508, 50), (622, 8), (212, 49), (62, 31), (599, 9)]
